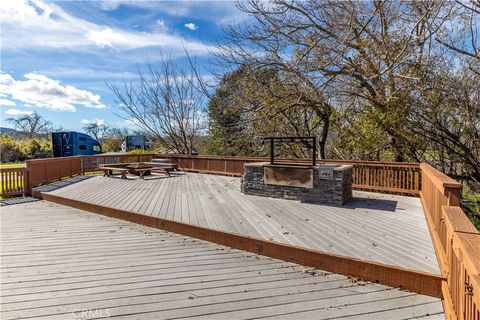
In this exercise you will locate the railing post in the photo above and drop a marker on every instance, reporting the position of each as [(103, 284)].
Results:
[(26, 190), (30, 183), (454, 195)]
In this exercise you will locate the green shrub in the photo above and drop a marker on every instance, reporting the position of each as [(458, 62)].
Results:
[(9, 150), (36, 149), (471, 206), (12, 150)]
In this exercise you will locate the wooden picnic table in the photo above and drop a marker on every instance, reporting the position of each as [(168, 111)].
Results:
[(141, 169)]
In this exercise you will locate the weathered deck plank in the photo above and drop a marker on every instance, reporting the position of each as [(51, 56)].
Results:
[(56, 260), (378, 227)]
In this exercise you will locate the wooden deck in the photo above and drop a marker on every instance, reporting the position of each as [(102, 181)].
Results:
[(376, 227), (57, 261)]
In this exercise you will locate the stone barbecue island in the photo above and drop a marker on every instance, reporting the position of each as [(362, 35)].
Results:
[(324, 184)]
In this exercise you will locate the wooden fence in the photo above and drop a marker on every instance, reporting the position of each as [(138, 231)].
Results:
[(456, 242), (42, 171), (367, 175)]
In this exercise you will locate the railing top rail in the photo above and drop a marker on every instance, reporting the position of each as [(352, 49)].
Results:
[(377, 163), (52, 159), (118, 155), (359, 162), (440, 179), (469, 244), (88, 156), (456, 220), (13, 169)]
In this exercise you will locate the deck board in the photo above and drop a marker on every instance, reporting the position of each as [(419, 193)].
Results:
[(377, 227), (56, 259)]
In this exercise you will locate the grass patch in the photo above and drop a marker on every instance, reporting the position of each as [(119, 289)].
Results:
[(92, 172)]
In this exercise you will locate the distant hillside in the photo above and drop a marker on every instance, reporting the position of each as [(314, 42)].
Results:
[(10, 132), (15, 134)]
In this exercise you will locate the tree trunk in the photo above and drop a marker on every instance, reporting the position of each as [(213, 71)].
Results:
[(324, 133), (397, 149)]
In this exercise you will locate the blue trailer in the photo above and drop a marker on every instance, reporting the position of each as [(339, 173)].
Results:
[(66, 144)]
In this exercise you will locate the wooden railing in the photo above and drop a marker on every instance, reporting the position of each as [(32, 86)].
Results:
[(367, 175), (456, 242), (20, 181), (42, 171), (14, 181)]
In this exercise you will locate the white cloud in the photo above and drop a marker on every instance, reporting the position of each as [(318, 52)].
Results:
[(7, 103), (99, 122), (16, 112), (87, 73), (107, 5), (221, 12), (41, 91), (106, 37), (111, 5), (192, 26), (46, 25)]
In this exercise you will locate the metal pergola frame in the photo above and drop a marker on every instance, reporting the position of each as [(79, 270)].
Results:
[(293, 139)]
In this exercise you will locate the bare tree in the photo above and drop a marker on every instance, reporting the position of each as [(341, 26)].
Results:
[(165, 103), (114, 138), (264, 46), (31, 124), (447, 120), (364, 55), (246, 106), (463, 35), (98, 129)]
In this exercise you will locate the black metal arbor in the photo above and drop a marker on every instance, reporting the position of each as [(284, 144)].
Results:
[(291, 140)]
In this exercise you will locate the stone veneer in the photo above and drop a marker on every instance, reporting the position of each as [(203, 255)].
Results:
[(334, 191)]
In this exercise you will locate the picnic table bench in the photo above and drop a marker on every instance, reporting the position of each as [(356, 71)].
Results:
[(108, 171), (161, 167)]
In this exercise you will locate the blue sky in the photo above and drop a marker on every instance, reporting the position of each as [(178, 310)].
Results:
[(57, 56)]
